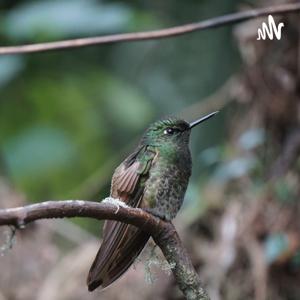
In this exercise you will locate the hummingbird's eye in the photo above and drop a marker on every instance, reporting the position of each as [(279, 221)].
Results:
[(169, 131)]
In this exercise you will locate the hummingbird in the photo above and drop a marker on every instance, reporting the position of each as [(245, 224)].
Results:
[(155, 178)]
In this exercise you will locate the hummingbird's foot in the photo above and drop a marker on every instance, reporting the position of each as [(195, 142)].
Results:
[(155, 213), (116, 202)]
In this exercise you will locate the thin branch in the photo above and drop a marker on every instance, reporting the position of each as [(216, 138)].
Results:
[(20, 216), (163, 233), (155, 34), (289, 155)]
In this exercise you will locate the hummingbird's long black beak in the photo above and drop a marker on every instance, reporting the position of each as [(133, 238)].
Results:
[(193, 124)]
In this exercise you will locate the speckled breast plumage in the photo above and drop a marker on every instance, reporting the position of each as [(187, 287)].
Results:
[(167, 184)]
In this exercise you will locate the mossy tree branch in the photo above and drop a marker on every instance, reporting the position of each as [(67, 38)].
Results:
[(163, 233)]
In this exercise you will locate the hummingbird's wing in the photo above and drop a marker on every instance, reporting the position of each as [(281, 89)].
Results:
[(122, 243)]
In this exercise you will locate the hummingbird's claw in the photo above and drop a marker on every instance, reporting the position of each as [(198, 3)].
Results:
[(155, 213), (116, 202)]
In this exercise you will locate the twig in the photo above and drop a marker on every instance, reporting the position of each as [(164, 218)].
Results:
[(163, 233), (8, 244), (289, 155), (155, 34), (258, 264)]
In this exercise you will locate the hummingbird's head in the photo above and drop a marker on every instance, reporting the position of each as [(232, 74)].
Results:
[(172, 131)]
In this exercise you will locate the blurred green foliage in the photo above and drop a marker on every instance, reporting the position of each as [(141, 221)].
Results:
[(68, 118)]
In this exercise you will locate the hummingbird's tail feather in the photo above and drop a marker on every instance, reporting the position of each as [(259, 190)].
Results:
[(121, 245)]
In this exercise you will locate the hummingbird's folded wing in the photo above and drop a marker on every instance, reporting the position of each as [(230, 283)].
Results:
[(122, 243)]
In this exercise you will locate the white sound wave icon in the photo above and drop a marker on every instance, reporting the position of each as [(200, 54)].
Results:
[(269, 29)]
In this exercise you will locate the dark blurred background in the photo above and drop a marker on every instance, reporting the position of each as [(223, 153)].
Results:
[(68, 118)]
